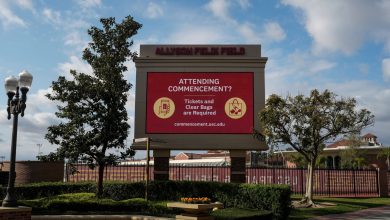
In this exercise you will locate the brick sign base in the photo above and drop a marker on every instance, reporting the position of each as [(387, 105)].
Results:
[(20, 213)]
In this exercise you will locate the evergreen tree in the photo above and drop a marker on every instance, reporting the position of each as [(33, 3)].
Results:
[(92, 109)]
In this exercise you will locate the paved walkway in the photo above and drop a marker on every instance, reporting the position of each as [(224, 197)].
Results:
[(379, 213), (382, 212)]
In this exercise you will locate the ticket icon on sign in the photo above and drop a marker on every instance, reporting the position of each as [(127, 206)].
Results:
[(235, 108), (164, 107)]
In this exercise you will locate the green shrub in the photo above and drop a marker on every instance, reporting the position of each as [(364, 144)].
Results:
[(241, 214), (45, 189), (87, 202), (120, 190), (275, 198), (267, 197)]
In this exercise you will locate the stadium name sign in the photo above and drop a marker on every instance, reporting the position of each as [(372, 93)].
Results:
[(200, 51), (199, 97)]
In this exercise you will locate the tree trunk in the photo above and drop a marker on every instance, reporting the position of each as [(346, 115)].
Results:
[(99, 193), (309, 194), (307, 200), (307, 180)]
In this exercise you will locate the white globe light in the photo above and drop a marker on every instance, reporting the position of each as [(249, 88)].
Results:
[(25, 79), (11, 83)]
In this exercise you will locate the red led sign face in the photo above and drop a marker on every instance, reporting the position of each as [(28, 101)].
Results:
[(199, 103)]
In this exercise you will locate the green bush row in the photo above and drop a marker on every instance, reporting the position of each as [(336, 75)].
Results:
[(275, 198), (87, 202), (46, 189)]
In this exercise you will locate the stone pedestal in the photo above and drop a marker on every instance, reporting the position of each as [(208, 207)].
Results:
[(161, 164), (13, 213), (237, 166), (194, 211)]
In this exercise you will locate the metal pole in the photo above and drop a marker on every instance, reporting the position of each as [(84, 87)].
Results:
[(10, 198), (147, 168)]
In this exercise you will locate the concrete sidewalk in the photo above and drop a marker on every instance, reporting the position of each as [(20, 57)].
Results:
[(378, 213)]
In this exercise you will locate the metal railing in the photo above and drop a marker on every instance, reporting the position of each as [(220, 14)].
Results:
[(327, 182)]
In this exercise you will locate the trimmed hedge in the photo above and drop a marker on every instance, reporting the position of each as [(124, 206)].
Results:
[(275, 198), (46, 189), (87, 203)]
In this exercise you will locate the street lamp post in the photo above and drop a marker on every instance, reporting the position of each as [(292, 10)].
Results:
[(16, 106)]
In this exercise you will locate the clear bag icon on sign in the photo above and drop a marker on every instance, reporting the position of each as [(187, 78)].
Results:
[(235, 108)]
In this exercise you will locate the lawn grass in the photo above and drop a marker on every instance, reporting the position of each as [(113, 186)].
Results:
[(342, 205)]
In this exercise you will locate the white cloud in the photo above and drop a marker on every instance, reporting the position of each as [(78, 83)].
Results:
[(386, 69), (130, 102), (194, 34), (7, 16), (75, 39), (375, 99), (25, 4), (74, 27), (344, 25), (75, 63), (321, 65), (244, 4), (247, 30), (220, 9), (52, 16), (39, 114), (89, 3), (297, 64), (274, 32), (154, 10)]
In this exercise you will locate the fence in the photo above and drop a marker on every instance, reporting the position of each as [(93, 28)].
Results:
[(327, 182), (388, 182)]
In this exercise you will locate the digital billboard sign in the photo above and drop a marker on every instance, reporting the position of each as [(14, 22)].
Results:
[(199, 103)]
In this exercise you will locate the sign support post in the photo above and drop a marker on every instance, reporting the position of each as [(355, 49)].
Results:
[(147, 140), (147, 168)]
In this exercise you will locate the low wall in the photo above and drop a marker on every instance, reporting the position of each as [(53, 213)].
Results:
[(19, 213), (36, 171)]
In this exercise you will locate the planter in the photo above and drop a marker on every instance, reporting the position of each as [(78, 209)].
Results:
[(194, 211)]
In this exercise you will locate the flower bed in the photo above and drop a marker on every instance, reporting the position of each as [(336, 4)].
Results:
[(200, 200)]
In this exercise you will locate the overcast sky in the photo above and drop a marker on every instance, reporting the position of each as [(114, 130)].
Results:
[(340, 45)]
